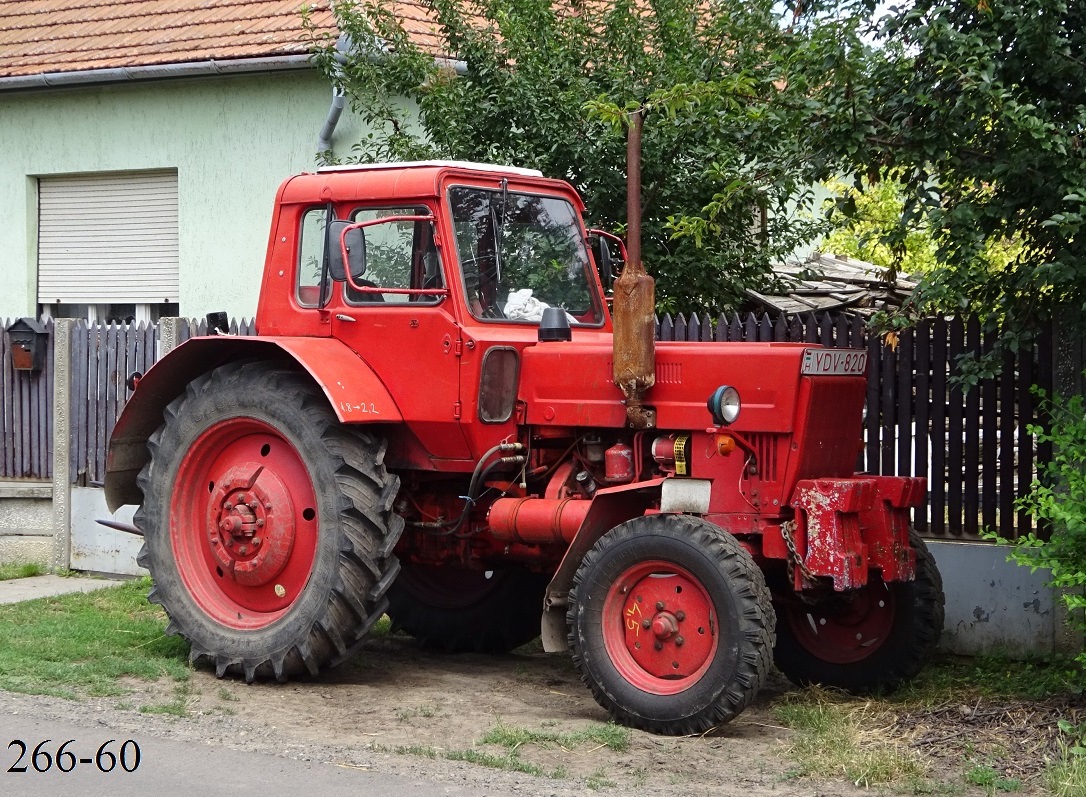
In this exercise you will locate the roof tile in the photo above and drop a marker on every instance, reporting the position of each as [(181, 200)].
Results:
[(40, 36)]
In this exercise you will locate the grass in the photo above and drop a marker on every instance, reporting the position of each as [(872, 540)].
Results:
[(513, 740), (839, 736), (599, 780), (835, 737), (991, 781), (177, 707), (995, 677), (382, 628), (79, 645), (610, 735), (1067, 776), (509, 762), (12, 570)]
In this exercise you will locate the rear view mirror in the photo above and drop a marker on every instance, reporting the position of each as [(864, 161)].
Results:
[(603, 262), (606, 265), (355, 242)]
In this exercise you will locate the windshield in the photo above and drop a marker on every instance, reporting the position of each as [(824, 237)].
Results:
[(520, 254)]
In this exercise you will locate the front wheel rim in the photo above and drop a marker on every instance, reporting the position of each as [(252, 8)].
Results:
[(244, 523), (660, 627)]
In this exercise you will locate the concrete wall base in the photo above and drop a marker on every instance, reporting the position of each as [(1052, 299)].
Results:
[(26, 522), (996, 606)]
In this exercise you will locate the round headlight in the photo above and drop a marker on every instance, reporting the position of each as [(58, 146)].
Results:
[(724, 405)]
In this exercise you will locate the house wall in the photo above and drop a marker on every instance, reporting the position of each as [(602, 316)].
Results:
[(231, 139)]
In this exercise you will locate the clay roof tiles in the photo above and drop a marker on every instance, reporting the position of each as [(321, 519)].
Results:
[(47, 36)]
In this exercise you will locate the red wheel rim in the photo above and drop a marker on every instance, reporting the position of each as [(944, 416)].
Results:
[(844, 631), (243, 523), (659, 627)]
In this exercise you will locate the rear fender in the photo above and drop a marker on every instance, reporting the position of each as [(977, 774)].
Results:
[(610, 506), (352, 388)]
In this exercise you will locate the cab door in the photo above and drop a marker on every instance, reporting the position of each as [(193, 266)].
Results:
[(404, 328)]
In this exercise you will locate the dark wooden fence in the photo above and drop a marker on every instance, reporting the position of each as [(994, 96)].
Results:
[(102, 358), (26, 415), (197, 327), (973, 447)]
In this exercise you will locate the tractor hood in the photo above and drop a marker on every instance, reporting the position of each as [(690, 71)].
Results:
[(572, 385)]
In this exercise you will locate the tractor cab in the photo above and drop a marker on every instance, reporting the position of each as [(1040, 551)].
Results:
[(442, 276)]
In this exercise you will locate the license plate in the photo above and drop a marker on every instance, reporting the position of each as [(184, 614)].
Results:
[(834, 362)]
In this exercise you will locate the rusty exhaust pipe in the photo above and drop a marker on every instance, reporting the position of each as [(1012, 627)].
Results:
[(634, 343)]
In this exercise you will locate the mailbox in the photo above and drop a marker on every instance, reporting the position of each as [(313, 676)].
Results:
[(29, 343)]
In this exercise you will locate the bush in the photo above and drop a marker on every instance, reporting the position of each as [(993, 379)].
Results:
[(1057, 499)]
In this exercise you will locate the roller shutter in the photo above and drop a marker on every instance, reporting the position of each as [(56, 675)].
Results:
[(108, 238)]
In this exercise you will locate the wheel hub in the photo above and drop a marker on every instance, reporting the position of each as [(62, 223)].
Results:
[(251, 525), (665, 625)]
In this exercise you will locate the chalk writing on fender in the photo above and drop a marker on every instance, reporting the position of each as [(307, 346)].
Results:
[(363, 408), (834, 361)]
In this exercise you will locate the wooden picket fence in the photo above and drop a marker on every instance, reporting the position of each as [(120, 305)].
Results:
[(26, 409), (973, 447)]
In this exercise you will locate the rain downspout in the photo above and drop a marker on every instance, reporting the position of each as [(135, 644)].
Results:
[(343, 46), (324, 138)]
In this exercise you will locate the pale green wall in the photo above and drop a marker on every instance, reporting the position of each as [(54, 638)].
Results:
[(232, 141)]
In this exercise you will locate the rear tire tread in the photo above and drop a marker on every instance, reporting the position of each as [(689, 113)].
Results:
[(369, 528)]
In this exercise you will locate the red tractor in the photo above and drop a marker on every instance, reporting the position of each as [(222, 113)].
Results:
[(439, 421)]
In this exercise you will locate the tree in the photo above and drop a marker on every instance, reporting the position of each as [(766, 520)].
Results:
[(539, 83), (981, 106), (870, 228)]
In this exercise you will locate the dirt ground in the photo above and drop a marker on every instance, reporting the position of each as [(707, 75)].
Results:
[(398, 709)]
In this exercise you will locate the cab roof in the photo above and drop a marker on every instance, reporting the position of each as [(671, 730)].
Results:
[(409, 181)]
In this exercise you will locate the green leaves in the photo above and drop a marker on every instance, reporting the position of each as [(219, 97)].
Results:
[(982, 106), (1057, 499), (726, 135)]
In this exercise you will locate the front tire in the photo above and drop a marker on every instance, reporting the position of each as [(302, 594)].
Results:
[(671, 624), (268, 525), (868, 640)]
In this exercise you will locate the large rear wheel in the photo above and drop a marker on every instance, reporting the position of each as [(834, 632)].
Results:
[(868, 640), (268, 525), (459, 610), (671, 624)]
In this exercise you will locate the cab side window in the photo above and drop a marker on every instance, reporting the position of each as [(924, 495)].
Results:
[(399, 254), (310, 257)]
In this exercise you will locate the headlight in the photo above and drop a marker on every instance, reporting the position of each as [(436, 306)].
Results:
[(724, 405)]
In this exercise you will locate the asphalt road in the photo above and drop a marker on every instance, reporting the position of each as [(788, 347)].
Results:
[(175, 767)]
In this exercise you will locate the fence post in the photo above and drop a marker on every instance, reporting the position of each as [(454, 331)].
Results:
[(169, 335), (62, 425)]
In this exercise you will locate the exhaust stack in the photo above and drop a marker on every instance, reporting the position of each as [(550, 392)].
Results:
[(634, 346)]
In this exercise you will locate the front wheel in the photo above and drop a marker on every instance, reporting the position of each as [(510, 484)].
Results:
[(671, 624), (868, 640)]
